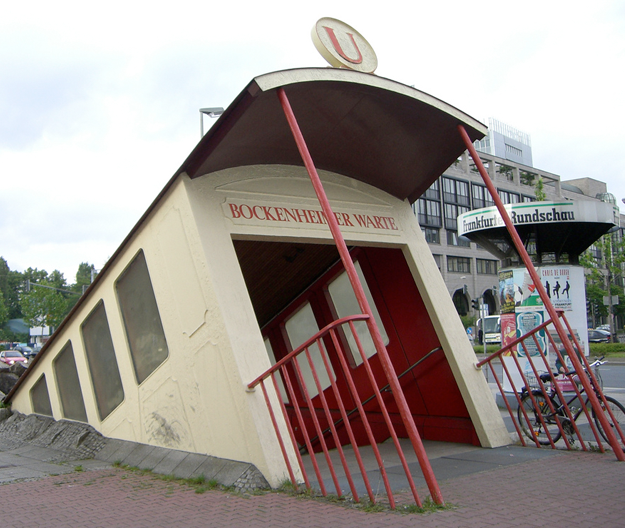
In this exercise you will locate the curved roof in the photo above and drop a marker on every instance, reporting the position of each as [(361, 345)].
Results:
[(366, 127)]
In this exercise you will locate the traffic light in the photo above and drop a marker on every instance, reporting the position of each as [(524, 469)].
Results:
[(475, 304)]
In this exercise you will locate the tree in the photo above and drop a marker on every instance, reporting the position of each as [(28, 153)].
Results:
[(539, 190), (604, 275), (43, 307), (84, 276), (4, 312), (11, 286)]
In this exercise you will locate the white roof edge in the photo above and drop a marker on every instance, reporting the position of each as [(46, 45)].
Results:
[(271, 81)]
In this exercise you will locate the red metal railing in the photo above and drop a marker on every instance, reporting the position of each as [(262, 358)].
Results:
[(288, 369), (555, 320), (565, 418)]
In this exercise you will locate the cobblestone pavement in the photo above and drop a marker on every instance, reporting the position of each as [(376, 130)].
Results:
[(569, 489)]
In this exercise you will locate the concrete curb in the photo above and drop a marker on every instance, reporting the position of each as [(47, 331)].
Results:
[(66, 442)]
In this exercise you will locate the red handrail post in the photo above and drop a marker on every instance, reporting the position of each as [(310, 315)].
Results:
[(350, 269)]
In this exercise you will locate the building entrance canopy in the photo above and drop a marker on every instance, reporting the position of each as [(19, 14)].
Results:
[(372, 129), (553, 227)]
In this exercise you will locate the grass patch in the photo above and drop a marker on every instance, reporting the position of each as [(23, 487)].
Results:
[(371, 507), (78, 469), (199, 483), (429, 506), (616, 350)]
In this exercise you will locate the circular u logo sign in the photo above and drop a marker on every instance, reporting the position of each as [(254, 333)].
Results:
[(342, 46)]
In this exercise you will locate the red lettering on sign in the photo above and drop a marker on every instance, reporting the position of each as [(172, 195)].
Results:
[(268, 215), (339, 49), (290, 214), (235, 211)]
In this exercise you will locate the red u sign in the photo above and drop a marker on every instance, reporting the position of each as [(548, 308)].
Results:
[(342, 46), (339, 49)]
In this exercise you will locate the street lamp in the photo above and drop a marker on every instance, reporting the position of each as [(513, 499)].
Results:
[(210, 112)]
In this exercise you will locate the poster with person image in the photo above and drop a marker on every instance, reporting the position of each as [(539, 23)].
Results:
[(558, 285)]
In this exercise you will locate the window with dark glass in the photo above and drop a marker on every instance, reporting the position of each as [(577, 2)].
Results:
[(481, 196), (486, 267), (454, 240), (433, 192), (432, 236), (459, 264), (451, 215), (429, 212), (40, 397), (438, 259), (456, 191), (107, 383), (527, 199), (68, 383), (508, 197), (142, 322)]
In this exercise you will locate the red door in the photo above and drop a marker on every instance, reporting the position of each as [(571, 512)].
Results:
[(407, 331)]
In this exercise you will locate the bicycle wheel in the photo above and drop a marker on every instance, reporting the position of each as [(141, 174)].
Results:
[(618, 410), (539, 430)]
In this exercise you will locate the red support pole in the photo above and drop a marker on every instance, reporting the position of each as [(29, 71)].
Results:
[(555, 320), (385, 360)]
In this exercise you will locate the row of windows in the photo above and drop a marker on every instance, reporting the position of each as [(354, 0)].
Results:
[(457, 200), (463, 265), (433, 236), (146, 343)]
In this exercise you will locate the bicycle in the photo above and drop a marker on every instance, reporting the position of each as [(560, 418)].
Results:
[(541, 430)]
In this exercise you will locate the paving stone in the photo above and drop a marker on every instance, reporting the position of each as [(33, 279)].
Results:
[(210, 467), (110, 450), (138, 454), (170, 462), (188, 465), (154, 458)]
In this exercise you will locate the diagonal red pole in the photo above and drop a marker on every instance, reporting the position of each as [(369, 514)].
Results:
[(555, 320), (391, 375)]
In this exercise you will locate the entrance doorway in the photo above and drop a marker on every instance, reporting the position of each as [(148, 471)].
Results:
[(297, 289)]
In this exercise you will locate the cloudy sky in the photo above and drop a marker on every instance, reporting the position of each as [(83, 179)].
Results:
[(99, 102)]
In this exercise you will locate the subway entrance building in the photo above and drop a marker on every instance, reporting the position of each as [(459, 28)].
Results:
[(234, 266)]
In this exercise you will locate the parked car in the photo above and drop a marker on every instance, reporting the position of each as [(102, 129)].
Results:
[(27, 351), (12, 356), (605, 327), (599, 336)]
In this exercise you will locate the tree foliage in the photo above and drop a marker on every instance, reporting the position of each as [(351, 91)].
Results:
[(43, 307), (539, 190), (604, 275), (41, 299)]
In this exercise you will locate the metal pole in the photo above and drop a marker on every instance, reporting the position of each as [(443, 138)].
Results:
[(385, 360), (555, 320)]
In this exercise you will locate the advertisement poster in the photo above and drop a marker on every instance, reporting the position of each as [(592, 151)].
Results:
[(506, 291), (526, 296), (560, 288), (526, 321), (508, 330)]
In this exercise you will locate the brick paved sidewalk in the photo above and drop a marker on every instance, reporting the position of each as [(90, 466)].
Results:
[(570, 489)]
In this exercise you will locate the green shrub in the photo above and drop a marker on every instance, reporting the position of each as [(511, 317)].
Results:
[(606, 349)]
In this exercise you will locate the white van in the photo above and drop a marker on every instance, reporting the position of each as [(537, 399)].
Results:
[(491, 331)]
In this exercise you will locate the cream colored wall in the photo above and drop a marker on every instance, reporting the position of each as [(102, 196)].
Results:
[(197, 400)]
